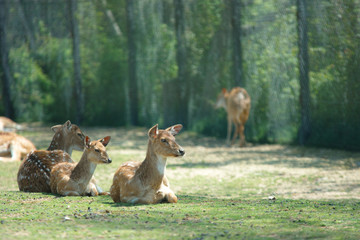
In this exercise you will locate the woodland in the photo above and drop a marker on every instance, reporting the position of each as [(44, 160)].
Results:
[(137, 63)]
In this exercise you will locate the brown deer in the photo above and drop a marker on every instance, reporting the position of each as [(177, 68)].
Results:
[(145, 182), (14, 147), (76, 179), (237, 104), (7, 123), (34, 170)]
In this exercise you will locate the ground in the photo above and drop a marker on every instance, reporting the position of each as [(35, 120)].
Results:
[(214, 174)]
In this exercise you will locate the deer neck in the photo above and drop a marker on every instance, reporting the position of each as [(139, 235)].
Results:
[(83, 171), (152, 169), (59, 142)]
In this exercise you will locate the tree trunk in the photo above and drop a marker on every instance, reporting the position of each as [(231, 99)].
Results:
[(133, 85), (77, 63), (303, 59), (181, 86), (236, 34), (111, 18), (5, 73), (26, 24)]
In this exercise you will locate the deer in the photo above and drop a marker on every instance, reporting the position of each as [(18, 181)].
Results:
[(76, 179), (34, 171), (14, 147), (237, 104), (145, 182), (7, 123)]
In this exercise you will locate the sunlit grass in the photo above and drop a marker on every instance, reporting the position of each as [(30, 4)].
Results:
[(223, 194)]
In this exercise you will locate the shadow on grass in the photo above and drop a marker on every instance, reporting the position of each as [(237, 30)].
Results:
[(289, 156), (182, 199)]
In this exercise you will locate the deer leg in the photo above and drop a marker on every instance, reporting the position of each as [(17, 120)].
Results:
[(235, 133), (228, 131), (70, 193), (6, 159), (165, 194), (15, 154), (171, 197), (242, 136)]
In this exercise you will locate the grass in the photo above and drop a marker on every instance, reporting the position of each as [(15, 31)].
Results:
[(223, 194)]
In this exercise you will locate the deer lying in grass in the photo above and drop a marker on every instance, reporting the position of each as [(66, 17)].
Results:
[(14, 147), (34, 171), (145, 182), (7, 123), (237, 104), (76, 179)]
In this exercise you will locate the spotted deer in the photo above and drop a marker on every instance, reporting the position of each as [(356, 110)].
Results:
[(237, 104), (76, 179), (8, 124), (34, 171), (145, 182), (14, 147)]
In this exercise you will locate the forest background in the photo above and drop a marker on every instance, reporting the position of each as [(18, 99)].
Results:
[(124, 62)]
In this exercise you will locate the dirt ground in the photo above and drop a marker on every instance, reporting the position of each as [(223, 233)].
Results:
[(280, 170)]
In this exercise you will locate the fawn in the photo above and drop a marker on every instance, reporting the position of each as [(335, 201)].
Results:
[(237, 104), (8, 124), (145, 182), (13, 147), (76, 179), (34, 170)]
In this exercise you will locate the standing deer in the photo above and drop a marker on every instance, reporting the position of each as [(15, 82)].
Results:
[(145, 182), (7, 123), (14, 147), (237, 104), (76, 179), (34, 170)]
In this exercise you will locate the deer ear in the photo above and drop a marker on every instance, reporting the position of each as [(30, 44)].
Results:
[(105, 141), (153, 132), (174, 130), (56, 128), (87, 141), (68, 124), (223, 90)]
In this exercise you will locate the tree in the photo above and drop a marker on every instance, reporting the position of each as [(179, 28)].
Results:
[(7, 78), (236, 35), (303, 61), (181, 85), (133, 84), (77, 63)]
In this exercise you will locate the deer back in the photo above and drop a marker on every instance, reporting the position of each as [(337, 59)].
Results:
[(66, 137), (34, 173)]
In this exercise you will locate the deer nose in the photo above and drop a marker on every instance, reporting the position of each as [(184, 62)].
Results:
[(182, 152), (109, 160)]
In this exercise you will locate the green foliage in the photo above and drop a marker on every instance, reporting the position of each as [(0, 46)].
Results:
[(55, 59), (43, 88), (30, 84)]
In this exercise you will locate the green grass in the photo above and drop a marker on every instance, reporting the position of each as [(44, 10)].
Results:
[(214, 201), (40, 216)]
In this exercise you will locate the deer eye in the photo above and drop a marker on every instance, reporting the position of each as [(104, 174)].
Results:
[(97, 150), (163, 140), (80, 135)]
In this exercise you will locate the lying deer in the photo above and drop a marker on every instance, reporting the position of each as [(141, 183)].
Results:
[(14, 147), (7, 123), (237, 104), (145, 182), (76, 179), (34, 171)]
